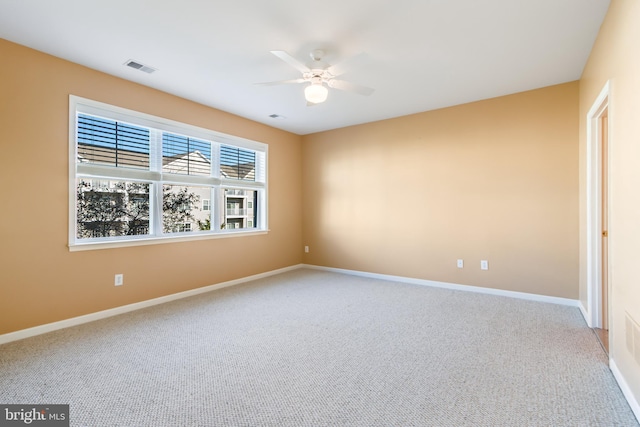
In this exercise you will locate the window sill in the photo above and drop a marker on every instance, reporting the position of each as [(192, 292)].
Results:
[(95, 245)]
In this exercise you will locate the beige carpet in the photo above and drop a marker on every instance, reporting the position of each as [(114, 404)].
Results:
[(313, 348)]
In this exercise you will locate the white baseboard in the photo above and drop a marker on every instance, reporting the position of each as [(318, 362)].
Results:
[(467, 288), (585, 314), (49, 327), (626, 390)]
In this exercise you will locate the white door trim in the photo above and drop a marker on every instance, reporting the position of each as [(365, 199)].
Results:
[(594, 204)]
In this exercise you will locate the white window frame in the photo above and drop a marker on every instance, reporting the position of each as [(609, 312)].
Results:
[(155, 176)]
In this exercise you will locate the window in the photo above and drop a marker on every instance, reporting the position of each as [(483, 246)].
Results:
[(237, 163), (119, 208), (139, 178), (184, 227)]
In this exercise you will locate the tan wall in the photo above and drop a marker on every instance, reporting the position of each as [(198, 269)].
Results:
[(615, 57), (40, 280), (494, 180)]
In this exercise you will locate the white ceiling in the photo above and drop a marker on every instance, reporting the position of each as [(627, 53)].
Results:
[(419, 55)]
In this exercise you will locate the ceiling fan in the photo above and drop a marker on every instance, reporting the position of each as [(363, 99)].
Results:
[(320, 76)]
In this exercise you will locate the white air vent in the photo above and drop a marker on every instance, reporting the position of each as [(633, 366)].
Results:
[(138, 66)]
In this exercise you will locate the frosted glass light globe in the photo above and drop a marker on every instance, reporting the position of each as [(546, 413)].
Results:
[(316, 93)]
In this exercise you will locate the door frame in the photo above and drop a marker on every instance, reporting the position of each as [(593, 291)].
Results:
[(594, 205)]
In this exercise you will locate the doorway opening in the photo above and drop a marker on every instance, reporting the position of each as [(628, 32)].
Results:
[(598, 278)]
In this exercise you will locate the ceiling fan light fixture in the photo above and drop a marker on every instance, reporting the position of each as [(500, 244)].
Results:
[(316, 93)]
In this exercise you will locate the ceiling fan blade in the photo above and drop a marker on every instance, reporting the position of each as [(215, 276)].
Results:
[(344, 66), (291, 61), (281, 82), (350, 87)]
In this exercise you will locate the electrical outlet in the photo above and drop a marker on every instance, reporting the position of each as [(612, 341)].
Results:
[(460, 263), (484, 264), (306, 249), (119, 280)]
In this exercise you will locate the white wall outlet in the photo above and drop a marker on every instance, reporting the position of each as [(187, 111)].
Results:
[(119, 281), (460, 263), (484, 264), (306, 249)]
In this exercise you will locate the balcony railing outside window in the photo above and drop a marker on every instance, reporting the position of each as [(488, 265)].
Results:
[(236, 212)]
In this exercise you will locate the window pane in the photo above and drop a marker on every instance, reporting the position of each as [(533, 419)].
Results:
[(239, 209), (112, 143), (107, 208), (182, 210), (237, 163), (183, 178), (183, 155)]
